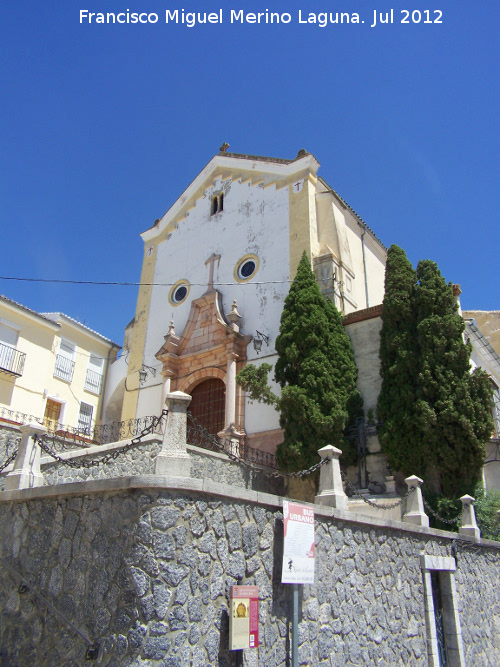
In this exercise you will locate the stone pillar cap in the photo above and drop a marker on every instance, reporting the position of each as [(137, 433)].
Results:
[(467, 500), (179, 395), (413, 480), (329, 451), (33, 427)]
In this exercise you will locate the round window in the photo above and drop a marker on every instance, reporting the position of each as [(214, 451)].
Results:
[(179, 292), (246, 268)]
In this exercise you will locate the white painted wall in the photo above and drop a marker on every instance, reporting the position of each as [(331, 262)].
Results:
[(255, 220)]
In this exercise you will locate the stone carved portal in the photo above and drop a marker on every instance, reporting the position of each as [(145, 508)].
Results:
[(211, 347)]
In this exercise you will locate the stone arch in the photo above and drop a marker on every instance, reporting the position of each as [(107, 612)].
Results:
[(189, 383)]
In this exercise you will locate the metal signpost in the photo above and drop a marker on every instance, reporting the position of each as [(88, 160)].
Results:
[(298, 558)]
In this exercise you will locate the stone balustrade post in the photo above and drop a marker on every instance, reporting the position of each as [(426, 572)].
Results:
[(415, 505), (331, 490), (469, 525), (173, 458), (26, 472)]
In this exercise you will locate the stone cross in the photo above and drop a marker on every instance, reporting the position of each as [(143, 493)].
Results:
[(211, 260)]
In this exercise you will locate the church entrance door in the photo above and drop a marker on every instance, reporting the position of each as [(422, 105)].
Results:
[(208, 404)]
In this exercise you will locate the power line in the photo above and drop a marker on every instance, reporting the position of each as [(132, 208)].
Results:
[(130, 284)]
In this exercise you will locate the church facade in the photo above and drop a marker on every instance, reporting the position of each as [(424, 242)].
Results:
[(216, 270)]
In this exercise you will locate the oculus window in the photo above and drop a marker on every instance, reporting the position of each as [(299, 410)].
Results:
[(178, 292), (246, 268)]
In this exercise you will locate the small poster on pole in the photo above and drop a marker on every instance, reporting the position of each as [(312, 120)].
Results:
[(298, 551), (244, 617)]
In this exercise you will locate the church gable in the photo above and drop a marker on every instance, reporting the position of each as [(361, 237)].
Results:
[(217, 178)]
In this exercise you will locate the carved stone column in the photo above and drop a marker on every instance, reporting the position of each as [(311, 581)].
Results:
[(165, 390), (26, 473), (230, 412), (173, 459)]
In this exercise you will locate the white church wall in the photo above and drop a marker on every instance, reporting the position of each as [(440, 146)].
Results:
[(373, 263), (260, 417), (254, 221)]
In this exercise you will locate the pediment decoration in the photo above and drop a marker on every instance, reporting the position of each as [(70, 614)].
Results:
[(208, 339)]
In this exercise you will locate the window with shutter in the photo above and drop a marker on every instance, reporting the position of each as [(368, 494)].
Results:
[(64, 361)]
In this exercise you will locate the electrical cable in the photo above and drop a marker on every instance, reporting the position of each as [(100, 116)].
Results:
[(132, 284)]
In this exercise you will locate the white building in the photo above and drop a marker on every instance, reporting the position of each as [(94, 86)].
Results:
[(216, 269)]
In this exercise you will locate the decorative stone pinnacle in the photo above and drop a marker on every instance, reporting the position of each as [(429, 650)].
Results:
[(414, 482), (469, 525), (467, 500), (233, 316), (224, 147), (171, 330)]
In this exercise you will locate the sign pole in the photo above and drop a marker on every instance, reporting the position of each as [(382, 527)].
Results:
[(295, 626), (298, 558)]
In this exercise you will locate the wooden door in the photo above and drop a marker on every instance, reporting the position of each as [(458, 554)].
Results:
[(52, 414), (208, 404)]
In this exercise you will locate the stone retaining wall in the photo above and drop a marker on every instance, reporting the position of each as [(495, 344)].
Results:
[(9, 440), (140, 460), (146, 571)]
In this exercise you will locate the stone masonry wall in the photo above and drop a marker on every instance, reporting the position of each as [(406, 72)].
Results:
[(146, 573), (9, 440), (140, 460)]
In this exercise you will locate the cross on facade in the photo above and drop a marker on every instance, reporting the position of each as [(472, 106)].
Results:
[(211, 260)]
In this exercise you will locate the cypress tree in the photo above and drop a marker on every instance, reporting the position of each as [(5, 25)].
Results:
[(315, 370), (400, 437), (453, 406), (436, 414)]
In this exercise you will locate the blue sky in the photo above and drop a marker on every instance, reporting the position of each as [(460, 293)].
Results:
[(104, 126)]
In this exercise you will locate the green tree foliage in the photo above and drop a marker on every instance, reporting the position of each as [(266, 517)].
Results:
[(436, 414), (453, 406), (315, 370), (399, 437), (486, 507)]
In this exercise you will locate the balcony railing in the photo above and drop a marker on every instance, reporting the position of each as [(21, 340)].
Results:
[(11, 360), (71, 437), (93, 381), (64, 368)]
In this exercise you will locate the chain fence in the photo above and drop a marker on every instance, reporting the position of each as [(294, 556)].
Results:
[(450, 522), (355, 493), (245, 455), (249, 457), (8, 461), (69, 437), (155, 423)]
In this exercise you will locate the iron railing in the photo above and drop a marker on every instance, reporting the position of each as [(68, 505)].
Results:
[(70, 436), (198, 436), (64, 368), (93, 381), (11, 360)]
